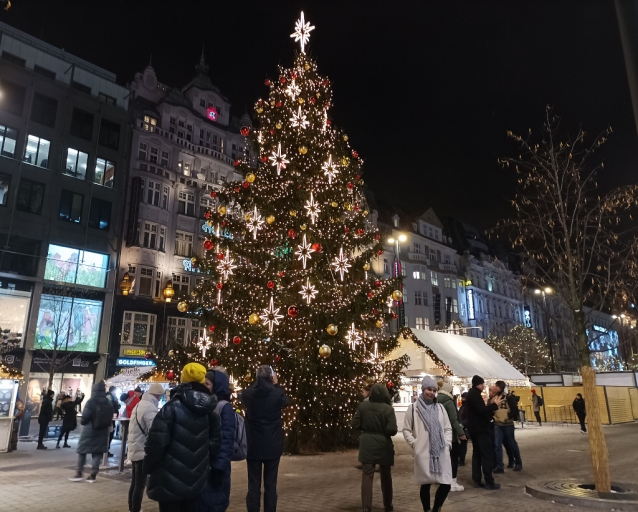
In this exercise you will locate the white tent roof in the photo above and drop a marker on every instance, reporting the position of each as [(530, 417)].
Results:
[(468, 356)]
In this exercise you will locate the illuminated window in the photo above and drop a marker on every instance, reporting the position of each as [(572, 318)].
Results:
[(37, 151), (68, 265), (138, 328), (8, 139), (434, 278), (183, 244), (76, 163), (104, 173)]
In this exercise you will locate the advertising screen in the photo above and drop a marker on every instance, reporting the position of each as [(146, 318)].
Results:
[(68, 265)]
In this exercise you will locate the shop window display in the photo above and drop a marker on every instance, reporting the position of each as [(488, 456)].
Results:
[(14, 308), (68, 323), (71, 384), (68, 265)]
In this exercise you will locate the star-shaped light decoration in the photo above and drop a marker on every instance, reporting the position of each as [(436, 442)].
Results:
[(313, 209), (302, 32), (299, 120), (341, 264), (271, 315), (308, 292), (255, 223), (325, 121), (353, 337), (304, 250), (203, 345), (330, 169), (278, 159), (293, 90), (226, 266)]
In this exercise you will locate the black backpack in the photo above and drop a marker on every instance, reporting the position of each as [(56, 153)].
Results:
[(102, 416), (541, 402)]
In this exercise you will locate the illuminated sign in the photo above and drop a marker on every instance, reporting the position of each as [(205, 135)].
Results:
[(225, 233), (134, 352), (527, 317), (188, 266), (599, 328), (212, 113), (470, 304), (134, 362)]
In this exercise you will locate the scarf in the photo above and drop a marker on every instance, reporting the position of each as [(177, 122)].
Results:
[(429, 414)]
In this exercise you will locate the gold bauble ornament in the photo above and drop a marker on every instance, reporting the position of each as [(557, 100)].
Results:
[(194, 293), (318, 95), (259, 110), (332, 220), (379, 323), (250, 177), (365, 212), (293, 213), (332, 330), (345, 160), (306, 66), (247, 377), (247, 217), (334, 204), (171, 353), (360, 182), (278, 126), (209, 223), (270, 219), (182, 307), (303, 227), (366, 266), (253, 319), (301, 101), (325, 351), (193, 261), (221, 209), (347, 206), (397, 295), (345, 137), (272, 103), (303, 150)]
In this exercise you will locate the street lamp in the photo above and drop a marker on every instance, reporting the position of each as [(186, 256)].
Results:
[(544, 293), (397, 272)]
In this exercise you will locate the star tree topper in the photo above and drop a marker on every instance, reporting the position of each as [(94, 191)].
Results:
[(278, 159), (302, 32), (255, 223), (308, 292), (341, 264), (271, 315)]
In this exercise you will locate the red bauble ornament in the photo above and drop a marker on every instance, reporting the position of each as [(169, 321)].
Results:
[(272, 132), (279, 103), (277, 358), (380, 252), (283, 79), (374, 311), (328, 122), (213, 193), (220, 255), (316, 247), (214, 362), (395, 316), (370, 295), (360, 231), (377, 236), (212, 328), (237, 189), (326, 104), (207, 215), (264, 158), (244, 130), (208, 245), (357, 177), (147, 355), (356, 208), (313, 100), (291, 233), (170, 375), (355, 154), (281, 273), (237, 163), (236, 340), (345, 228), (245, 184), (293, 75), (326, 82), (224, 223), (266, 82), (390, 385), (270, 285), (219, 286), (293, 311), (377, 283), (350, 185)]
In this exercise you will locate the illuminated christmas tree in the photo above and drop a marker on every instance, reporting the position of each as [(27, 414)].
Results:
[(289, 265)]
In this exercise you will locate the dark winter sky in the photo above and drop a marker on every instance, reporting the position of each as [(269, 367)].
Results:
[(426, 90)]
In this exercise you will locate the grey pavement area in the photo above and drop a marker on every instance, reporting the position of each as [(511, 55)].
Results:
[(37, 480)]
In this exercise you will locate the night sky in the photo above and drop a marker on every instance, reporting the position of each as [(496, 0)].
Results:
[(426, 90)]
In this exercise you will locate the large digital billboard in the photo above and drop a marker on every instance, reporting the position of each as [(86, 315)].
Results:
[(68, 265)]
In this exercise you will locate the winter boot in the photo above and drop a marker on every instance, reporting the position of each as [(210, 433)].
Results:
[(41, 447), (57, 445), (91, 479)]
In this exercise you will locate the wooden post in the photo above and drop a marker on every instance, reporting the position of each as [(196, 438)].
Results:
[(597, 445)]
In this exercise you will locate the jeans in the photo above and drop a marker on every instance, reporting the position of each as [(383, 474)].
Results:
[(366, 485), (504, 434), (583, 428), (43, 432), (136, 490), (439, 497), (253, 497), (482, 456), (178, 506), (96, 458), (538, 417)]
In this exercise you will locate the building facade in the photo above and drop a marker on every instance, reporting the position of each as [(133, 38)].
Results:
[(64, 154), (184, 146)]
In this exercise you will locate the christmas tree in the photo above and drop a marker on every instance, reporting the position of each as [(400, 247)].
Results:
[(288, 263), (523, 348)]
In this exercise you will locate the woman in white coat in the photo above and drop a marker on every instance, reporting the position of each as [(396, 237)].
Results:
[(428, 431)]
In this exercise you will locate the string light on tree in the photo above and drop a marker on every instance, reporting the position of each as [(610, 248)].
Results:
[(341, 264)]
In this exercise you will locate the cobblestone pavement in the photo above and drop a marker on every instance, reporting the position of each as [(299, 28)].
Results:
[(33, 480)]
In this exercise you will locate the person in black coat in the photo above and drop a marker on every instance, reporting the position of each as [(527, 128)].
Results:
[(264, 401), (45, 416), (581, 412), (182, 444), (70, 419), (481, 429)]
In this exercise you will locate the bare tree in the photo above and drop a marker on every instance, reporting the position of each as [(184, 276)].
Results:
[(578, 241)]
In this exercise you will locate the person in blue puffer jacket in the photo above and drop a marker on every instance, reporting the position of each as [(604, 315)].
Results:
[(216, 495)]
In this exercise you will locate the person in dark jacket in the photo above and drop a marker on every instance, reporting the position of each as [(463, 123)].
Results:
[(264, 401), (183, 443), (463, 421), (216, 495), (93, 440), (504, 420), (70, 419), (481, 430), (581, 412), (376, 418), (447, 400), (45, 416), (115, 403)]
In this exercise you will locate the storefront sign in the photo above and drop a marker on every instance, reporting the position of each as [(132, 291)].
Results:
[(527, 316), (134, 352), (64, 362), (224, 233), (188, 266), (134, 362)]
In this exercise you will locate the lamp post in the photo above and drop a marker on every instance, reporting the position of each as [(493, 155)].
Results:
[(544, 293), (397, 272)]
